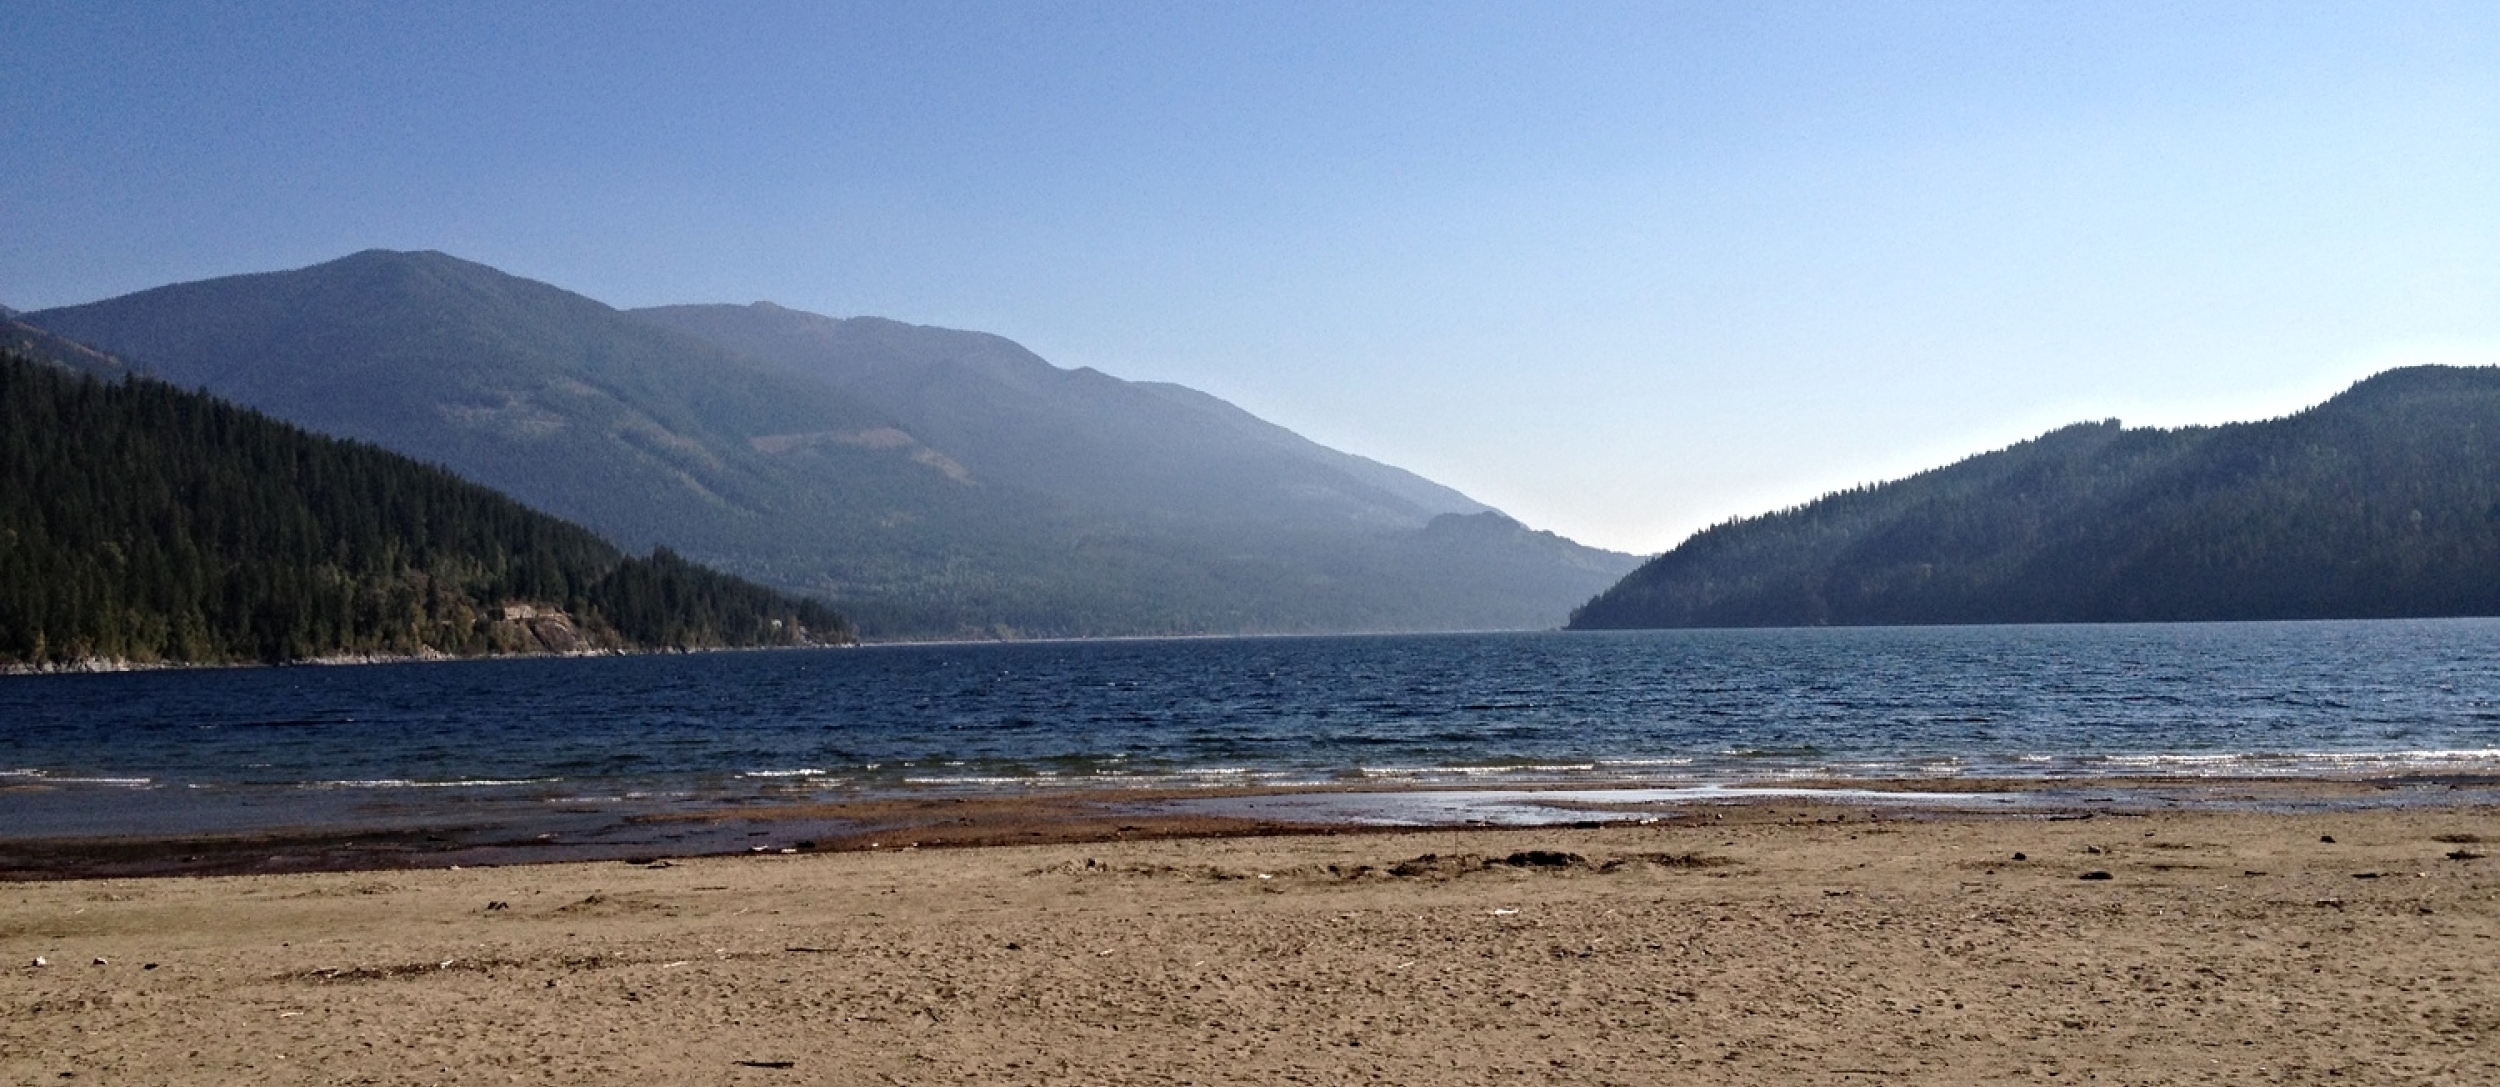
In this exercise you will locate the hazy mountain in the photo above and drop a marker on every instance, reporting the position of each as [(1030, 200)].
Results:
[(537, 391), (965, 487), (1136, 448), (648, 437), (38, 345), (2382, 502), (140, 522)]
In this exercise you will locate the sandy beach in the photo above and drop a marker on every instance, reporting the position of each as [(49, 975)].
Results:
[(1767, 943)]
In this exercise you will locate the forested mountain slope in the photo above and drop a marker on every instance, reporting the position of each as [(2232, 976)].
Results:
[(962, 487), (2382, 502), (142, 523)]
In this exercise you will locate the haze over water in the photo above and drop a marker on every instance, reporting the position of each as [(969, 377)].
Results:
[(1664, 708)]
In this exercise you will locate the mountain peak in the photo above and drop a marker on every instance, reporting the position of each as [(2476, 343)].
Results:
[(407, 258)]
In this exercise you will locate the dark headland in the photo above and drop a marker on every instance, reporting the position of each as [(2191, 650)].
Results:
[(2383, 502)]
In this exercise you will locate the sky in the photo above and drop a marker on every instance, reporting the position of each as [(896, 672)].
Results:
[(1622, 270)]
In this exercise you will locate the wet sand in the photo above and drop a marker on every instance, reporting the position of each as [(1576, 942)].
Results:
[(41, 837), (1775, 942)]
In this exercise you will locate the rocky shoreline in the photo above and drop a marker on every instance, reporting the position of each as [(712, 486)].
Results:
[(520, 631)]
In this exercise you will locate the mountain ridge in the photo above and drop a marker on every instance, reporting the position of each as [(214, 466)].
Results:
[(2383, 501), (1077, 433)]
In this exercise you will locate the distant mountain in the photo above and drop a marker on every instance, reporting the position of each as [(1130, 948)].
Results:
[(931, 482), (36, 345), (2382, 502), (1110, 445), (142, 523)]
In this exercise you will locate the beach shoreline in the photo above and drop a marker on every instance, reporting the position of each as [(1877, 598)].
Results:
[(1787, 942), (525, 831)]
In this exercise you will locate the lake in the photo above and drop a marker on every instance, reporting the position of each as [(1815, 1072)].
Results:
[(155, 752)]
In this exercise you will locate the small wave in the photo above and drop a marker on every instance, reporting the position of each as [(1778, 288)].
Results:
[(2469, 754), (2178, 759), (1476, 771), (50, 778), (1195, 779), (289, 722), (973, 779), (801, 772), (405, 783), (2279, 763)]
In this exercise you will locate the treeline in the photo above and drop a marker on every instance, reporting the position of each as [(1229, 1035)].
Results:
[(144, 523), (2383, 502), (667, 601)]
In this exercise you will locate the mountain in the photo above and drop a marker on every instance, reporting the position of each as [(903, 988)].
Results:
[(536, 391), (34, 344), (650, 438), (139, 522), (931, 482), (1079, 435), (2382, 502)]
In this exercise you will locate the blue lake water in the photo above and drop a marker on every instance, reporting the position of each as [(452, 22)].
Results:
[(1491, 710)]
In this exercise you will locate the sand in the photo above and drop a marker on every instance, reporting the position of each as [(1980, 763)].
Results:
[(1771, 944)]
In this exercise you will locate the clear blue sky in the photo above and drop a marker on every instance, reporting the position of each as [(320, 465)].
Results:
[(1622, 270)]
